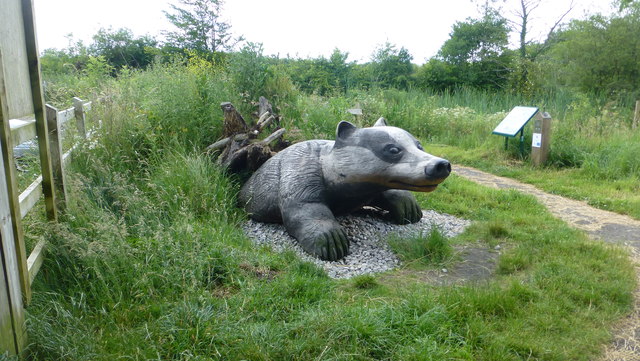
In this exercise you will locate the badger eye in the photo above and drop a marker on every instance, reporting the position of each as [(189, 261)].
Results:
[(392, 149)]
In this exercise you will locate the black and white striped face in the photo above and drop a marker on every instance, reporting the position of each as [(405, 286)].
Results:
[(385, 156)]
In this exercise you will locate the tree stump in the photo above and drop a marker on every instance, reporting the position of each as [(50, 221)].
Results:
[(240, 150)]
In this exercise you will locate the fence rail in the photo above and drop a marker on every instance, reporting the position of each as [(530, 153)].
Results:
[(24, 130)]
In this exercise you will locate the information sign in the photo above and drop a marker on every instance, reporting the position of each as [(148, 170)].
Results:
[(515, 121)]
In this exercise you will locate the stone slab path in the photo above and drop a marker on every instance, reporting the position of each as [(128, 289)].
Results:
[(598, 224)]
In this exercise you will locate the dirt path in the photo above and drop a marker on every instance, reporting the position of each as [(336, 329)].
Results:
[(599, 224)]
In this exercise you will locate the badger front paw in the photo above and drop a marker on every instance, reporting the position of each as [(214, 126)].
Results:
[(401, 205), (329, 245)]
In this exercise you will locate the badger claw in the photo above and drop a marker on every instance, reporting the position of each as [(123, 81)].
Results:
[(331, 245)]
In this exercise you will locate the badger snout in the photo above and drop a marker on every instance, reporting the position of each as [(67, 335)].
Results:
[(438, 169)]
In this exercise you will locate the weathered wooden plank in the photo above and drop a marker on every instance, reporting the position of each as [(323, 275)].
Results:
[(22, 130), (12, 188), (39, 109), (66, 157), (34, 262), (7, 336), (78, 104), (30, 196), (18, 100), (56, 156), (12, 329), (66, 115)]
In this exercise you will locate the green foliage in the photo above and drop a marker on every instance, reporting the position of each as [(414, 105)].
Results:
[(476, 55), (598, 54), (254, 76), (199, 27), (321, 76), (121, 49), (392, 67), (365, 282), (432, 248)]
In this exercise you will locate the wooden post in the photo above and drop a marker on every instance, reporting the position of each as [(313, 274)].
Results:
[(12, 326), (15, 288), (541, 139), (636, 115), (57, 165), (8, 162), (78, 106), (38, 108)]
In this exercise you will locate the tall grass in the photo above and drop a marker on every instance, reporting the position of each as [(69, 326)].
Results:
[(150, 262)]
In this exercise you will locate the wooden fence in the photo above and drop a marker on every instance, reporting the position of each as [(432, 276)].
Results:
[(24, 116), (21, 131), (24, 131)]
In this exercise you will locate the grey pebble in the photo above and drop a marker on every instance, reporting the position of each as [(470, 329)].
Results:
[(369, 251)]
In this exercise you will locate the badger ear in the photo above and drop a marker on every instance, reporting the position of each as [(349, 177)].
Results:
[(381, 123), (344, 130)]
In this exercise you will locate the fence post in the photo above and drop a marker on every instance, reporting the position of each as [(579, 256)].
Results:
[(55, 145), (12, 188), (78, 105), (14, 275), (39, 109), (636, 116)]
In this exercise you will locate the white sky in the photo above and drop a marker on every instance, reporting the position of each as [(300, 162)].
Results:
[(298, 27)]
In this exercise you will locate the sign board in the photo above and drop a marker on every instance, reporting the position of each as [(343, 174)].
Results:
[(515, 121)]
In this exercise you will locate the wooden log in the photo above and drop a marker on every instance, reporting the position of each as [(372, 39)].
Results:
[(263, 117), (264, 106), (274, 136), (257, 154), (241, 151), (218, 145), (265, 123)]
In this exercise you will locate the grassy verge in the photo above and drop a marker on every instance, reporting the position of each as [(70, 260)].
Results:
[(617, 194)]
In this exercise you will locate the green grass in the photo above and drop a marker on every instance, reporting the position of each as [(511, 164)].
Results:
[(618, 194), (425, 249), (141, 277), (150, 262)]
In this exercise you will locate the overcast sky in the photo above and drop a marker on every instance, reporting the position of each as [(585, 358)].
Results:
[(298, 27)]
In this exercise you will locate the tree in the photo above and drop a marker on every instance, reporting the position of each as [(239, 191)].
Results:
[(200, 27), (527, 53), (599, 54), (120, 48), (476, 55), (392, 67)]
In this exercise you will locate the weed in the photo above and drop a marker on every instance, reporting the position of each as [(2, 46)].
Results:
[(365, 282), (433, 248)]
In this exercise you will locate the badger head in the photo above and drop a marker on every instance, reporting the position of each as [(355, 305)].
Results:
[(385, 156)]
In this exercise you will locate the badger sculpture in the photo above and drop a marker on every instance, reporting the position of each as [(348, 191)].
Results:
[(307, 184)]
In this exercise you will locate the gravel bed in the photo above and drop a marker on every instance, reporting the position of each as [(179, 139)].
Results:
[(369, 251)]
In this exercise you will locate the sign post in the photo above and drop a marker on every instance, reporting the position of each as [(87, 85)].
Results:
[(541, 139)]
